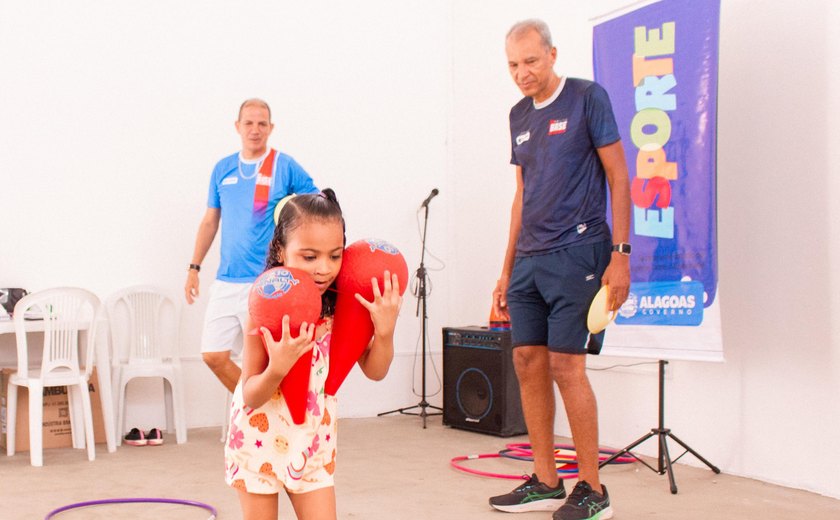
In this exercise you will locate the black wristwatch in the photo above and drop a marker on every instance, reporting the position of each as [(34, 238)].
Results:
[(622, 248), (195, 267)]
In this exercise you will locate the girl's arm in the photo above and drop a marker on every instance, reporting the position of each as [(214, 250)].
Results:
[(264, 367), (384, 309)]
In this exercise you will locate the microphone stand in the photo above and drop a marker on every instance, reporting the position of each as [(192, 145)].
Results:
[(421, 303)]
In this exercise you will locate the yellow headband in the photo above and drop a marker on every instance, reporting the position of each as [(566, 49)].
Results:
[(279, 207)]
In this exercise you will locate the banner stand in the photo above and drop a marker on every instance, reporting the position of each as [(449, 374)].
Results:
[(665, 463)]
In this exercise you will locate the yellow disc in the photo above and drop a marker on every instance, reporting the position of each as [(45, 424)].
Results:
[(599, 317)]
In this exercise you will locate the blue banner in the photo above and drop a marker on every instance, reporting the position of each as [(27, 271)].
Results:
[(659, 65)]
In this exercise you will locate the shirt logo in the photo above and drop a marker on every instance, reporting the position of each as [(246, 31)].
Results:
[(521, 138), (557, 126), (230, 180)]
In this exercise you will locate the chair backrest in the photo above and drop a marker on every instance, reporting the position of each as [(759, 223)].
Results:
[(64, 311), (144, 324)]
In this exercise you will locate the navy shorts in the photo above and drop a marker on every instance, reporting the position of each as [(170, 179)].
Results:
[(549, 295)]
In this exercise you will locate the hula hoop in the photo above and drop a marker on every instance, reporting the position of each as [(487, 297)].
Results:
[(564, 456), (110, 501)]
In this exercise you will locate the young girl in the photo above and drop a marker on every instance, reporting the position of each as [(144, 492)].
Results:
[(266, 452)]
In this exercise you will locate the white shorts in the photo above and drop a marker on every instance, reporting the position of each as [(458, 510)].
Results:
[(226, 317)]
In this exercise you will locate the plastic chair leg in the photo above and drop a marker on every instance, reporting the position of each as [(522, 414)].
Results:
[(11, 419), (120, 427), (36, 414), (108, 411), (169, 404), (87, 412), (174, 399), (74, 402), (179, 419), (116, 377)]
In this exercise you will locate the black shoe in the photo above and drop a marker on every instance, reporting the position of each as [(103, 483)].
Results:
[(135, 437), (585, 504), (533, 495), (154, 437)]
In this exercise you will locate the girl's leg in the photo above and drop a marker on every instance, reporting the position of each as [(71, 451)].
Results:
[(258, 507), (315, 505)]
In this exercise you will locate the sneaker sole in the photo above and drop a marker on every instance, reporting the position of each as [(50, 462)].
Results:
[(156, 443), (604, 514), (136, 443), (548, 504)]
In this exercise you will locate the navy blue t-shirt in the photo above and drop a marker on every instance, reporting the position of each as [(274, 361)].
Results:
[(565, 193)]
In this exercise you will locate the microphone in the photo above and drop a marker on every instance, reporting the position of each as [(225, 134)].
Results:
[(429, 198)]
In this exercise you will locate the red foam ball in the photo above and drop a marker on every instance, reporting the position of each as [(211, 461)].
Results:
[(367, 259), (283, 291), (352, 327), (288, 291)]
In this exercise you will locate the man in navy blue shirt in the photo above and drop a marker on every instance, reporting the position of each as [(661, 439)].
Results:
[(566, 148)]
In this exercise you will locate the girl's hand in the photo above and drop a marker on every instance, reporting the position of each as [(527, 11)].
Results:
[(283, 354), (385, 307)]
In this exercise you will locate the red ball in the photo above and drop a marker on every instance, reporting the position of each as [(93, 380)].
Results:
[(288, 291), (283, 291), (366, 259), (352, 327)]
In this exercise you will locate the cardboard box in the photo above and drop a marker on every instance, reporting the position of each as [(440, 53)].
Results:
[(56, 420)]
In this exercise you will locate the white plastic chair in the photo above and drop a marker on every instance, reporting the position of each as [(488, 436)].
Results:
[(144, 323), (65, 311)]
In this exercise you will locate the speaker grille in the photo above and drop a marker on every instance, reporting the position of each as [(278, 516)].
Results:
[(474, 394)]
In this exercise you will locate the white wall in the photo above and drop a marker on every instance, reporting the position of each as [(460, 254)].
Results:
[(113, 116)]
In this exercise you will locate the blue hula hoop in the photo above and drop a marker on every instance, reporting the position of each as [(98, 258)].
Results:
[(109, 501)]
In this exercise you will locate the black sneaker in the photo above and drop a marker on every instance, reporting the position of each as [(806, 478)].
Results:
[(533, 495), (135, 437), (585, 504), (154, 437)]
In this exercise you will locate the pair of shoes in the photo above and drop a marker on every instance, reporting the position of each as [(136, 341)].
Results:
[(533, 495), (585, 504), (136, 437)]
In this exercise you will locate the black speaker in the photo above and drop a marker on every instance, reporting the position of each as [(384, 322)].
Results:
[(480, 389)]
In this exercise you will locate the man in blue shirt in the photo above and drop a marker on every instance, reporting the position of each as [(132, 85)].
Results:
[(244, 189), (566, 148)]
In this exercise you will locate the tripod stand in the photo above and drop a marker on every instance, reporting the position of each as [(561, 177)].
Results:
[(665, 464), (421, 303)]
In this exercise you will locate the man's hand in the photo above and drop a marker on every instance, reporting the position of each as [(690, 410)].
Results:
[(500, 307), (617, 276), (191, 287)]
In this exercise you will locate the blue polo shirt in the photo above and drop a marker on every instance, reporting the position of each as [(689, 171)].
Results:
[(565, 191), (246, 230)]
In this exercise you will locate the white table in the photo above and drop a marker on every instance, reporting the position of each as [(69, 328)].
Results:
[(101, 361)]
